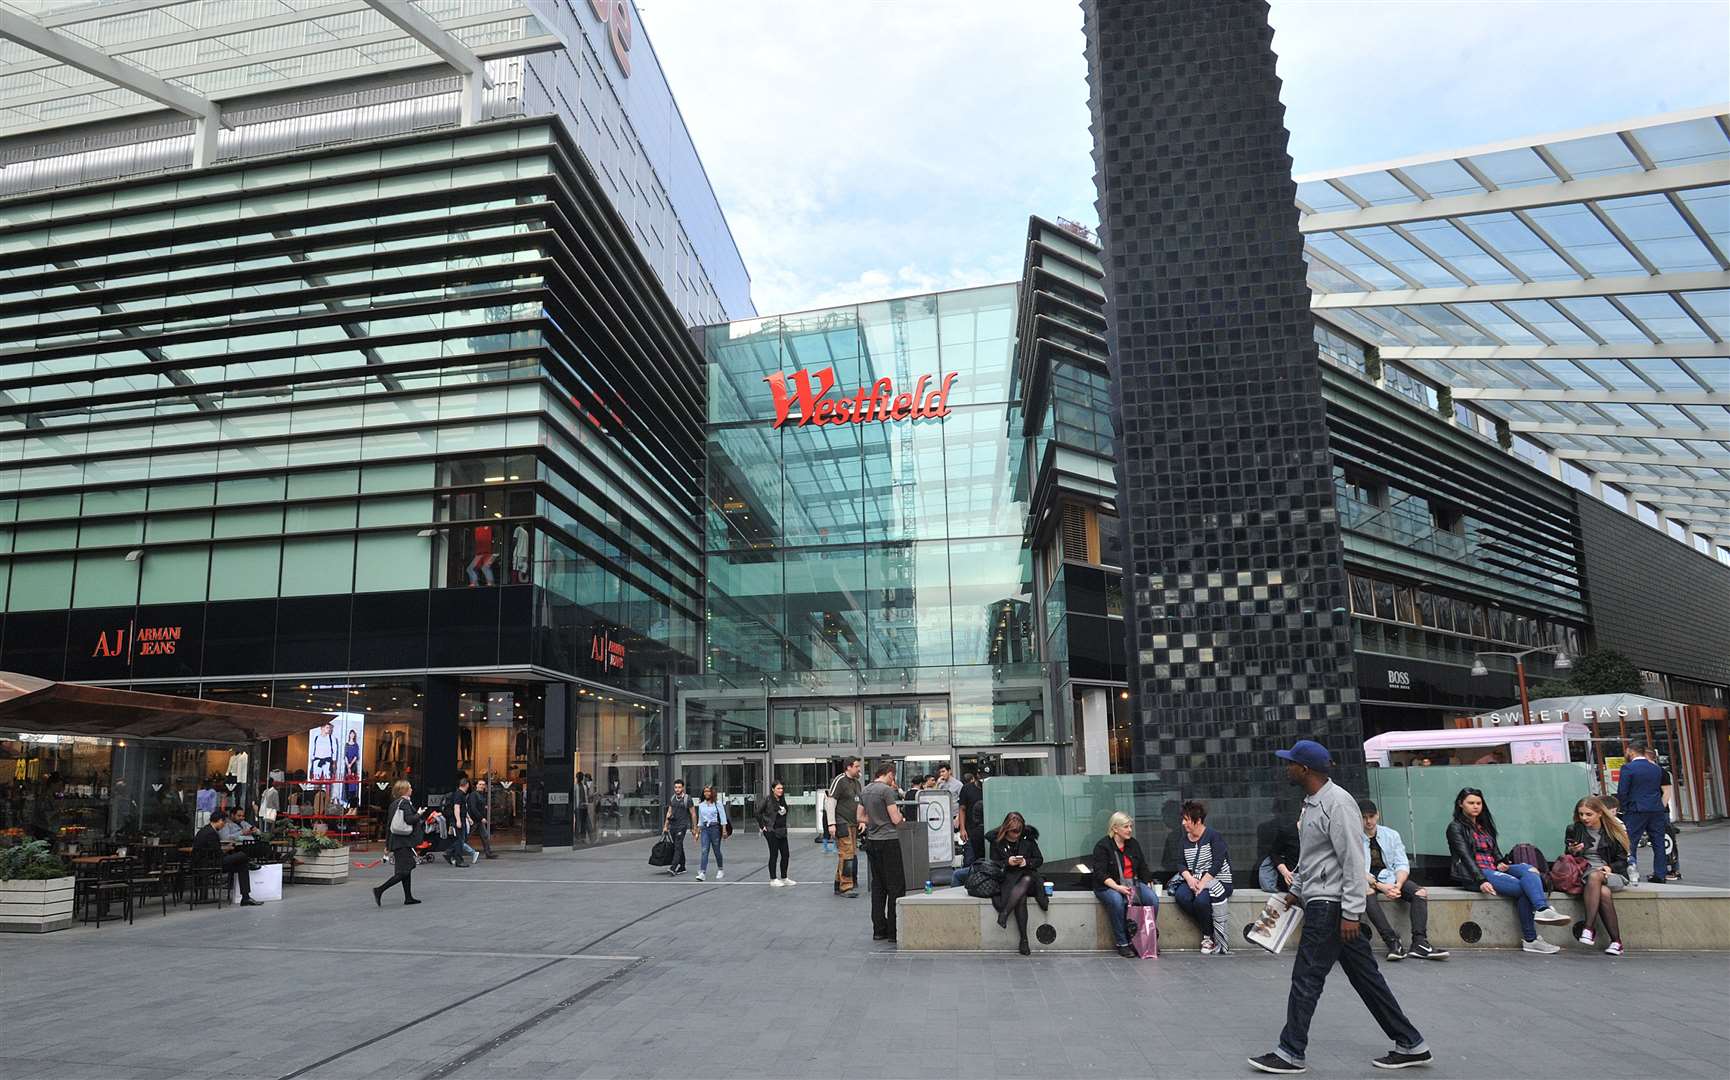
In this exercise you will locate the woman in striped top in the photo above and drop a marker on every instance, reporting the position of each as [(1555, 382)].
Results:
[(1204, 883)]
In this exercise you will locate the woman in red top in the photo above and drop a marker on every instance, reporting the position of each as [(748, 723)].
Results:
[(1121, 877)]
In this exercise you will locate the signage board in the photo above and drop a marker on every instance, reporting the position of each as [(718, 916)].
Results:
[(879, 403), (605, 652), (615, 15)]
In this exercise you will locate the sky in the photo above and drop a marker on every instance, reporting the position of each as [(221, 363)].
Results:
[(872, 148)]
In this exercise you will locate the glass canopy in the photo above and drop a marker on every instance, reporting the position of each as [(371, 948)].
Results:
[(68, 62), (1576, 286)]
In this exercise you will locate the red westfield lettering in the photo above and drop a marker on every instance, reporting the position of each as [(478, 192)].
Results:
[(876, 404)]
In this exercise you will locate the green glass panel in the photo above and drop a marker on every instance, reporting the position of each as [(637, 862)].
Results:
[(390, 561), (318, 565), (1531, 803), (105, 579), (40, 584), (244, 571), (174, 574)]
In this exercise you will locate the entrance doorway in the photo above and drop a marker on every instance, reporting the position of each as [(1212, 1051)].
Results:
[(738, 782), (499, 739)]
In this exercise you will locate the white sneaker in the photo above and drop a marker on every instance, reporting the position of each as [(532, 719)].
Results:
[(1614, 949), (1539, 945), (719, 875), (1550, 915), (1588, 938), (788, 881), (699, 875), (775, 882), (1208, 948)]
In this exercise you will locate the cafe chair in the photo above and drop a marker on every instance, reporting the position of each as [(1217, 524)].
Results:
[(206, 883), (151, 878), (113, 883)]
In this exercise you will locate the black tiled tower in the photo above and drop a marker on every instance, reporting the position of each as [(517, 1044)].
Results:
[(1239, 638)]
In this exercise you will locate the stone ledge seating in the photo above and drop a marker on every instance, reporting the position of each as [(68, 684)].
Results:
[(1652, 917)]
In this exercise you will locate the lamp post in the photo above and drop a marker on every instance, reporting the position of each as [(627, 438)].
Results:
[(1563, 663)]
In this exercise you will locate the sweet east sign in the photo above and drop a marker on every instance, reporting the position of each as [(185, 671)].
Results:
[(810, 391)]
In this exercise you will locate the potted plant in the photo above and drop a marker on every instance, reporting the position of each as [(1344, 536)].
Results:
[(319, 858), (35, 889)]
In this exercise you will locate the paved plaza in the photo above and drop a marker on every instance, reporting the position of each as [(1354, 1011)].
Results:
[(593, 965)]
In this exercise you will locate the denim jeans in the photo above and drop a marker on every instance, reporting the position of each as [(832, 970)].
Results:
[(1199, 908), (1523, 884), (1267, 877), (710, 839), (460, 846), (1117, 908), (1320, 948)]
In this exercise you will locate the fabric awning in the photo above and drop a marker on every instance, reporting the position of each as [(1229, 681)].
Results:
[(61, 708)]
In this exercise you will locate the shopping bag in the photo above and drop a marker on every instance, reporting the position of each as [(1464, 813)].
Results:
[(1144, 936), (662, 853)]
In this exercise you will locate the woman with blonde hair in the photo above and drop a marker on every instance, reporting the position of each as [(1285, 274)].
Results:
[(403, 832), (1598, 837), (1120, 877)]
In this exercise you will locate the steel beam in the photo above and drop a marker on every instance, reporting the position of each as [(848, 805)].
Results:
[(1631, 480), (33, 35), (1530, 197), (1641, 351), (1618, 457), (1536, 290), (1616, 431), (1592, 397), (417, 24)]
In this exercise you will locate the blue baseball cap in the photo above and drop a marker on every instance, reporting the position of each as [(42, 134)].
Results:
[(1308, 753)]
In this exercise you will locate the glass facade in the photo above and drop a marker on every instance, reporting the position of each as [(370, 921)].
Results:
[(868, 584), (310, 422)]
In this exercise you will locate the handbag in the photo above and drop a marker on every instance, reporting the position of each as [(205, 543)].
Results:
[(985, 880), (662, 853), (1568, 874)]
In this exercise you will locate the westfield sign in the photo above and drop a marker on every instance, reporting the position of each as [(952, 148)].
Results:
[(876, 404)]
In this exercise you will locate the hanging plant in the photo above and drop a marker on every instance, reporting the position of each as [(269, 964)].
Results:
[(1445, 402), (1504, 434), (1372, 363)]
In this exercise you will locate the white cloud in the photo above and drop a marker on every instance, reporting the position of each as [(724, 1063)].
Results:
[(870, 149)]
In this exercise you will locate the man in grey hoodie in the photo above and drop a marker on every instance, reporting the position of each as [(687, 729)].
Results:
[(1329, 881)]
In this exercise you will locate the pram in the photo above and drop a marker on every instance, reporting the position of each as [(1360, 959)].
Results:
[(438, 837)]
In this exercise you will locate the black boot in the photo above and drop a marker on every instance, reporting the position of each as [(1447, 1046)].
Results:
[(407, 893)]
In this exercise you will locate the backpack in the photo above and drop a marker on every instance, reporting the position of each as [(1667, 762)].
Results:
[(1530, 855)]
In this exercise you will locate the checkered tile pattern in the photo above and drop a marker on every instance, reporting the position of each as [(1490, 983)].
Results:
[(1238, 633)]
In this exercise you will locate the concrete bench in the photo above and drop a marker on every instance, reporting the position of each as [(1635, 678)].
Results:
[(1652, 917)]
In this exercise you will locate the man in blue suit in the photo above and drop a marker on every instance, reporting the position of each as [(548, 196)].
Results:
[(1640, 793)]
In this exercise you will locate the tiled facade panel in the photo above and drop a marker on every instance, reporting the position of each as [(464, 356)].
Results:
[(1239, 637), (1660, 604)]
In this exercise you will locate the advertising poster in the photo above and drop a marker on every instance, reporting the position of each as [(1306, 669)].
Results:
[(334, 752)]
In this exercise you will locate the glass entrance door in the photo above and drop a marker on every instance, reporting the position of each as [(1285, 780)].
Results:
[(738, 781), (499, 740)]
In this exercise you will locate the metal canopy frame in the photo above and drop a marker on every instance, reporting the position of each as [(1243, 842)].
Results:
[(65, 63), (1575, 286)]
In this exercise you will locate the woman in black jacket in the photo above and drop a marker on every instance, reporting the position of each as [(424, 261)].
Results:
[(1476, 862), (402, 832), (1120, 877), (772, 819), (1015, 847), (1598, 837)]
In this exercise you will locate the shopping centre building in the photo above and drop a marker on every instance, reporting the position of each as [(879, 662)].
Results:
[(422, 392)]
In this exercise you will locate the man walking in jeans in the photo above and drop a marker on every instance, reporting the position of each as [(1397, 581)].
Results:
[(842, 805), (1330, 879), (878, 818)]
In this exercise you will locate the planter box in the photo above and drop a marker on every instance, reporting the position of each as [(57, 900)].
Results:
[(36, 907), (325, 868)]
